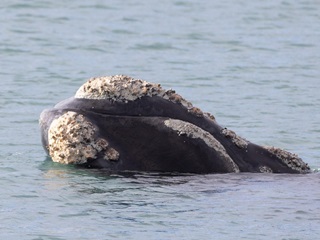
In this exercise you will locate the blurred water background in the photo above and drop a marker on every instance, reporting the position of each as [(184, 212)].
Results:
[(255, 65)]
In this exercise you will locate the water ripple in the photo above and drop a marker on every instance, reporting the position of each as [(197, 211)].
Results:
[(253, 64)]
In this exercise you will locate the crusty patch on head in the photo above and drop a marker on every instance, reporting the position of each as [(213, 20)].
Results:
[(192, 131), (290, 159), (111, 154), (196, 111), (72, 140), (265, 169), (238, 141), (209, 116), (121, 88)]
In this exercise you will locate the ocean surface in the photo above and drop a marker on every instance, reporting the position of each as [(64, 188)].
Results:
[(255, 65)]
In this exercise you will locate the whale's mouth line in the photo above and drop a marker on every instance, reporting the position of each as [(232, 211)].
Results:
[(108, 114)]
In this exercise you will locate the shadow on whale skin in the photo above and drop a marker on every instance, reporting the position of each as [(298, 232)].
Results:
[(120, 124)]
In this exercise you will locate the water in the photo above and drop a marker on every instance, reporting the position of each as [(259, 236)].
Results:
[(253, 64)]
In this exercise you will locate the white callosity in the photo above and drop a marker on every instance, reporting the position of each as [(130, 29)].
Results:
[(72, 140), (121, 88), (238, 141), (265, 169), (192, 131), (290, 159)]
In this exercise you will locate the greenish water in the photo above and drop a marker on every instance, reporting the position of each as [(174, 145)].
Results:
[(254, 65)]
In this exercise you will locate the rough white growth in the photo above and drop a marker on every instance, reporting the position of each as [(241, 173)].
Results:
[(112, 154), (209, 116), (120, 88), (265, 169), (238, 141), (192, 131), (290, 159), (71, 139)]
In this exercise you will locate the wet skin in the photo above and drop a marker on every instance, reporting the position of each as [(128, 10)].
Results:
[(138, 130)]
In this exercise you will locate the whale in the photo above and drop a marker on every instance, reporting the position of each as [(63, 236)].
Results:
[(119, 123)]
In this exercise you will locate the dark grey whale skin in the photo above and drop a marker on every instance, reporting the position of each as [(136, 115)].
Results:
[(137, 130)]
